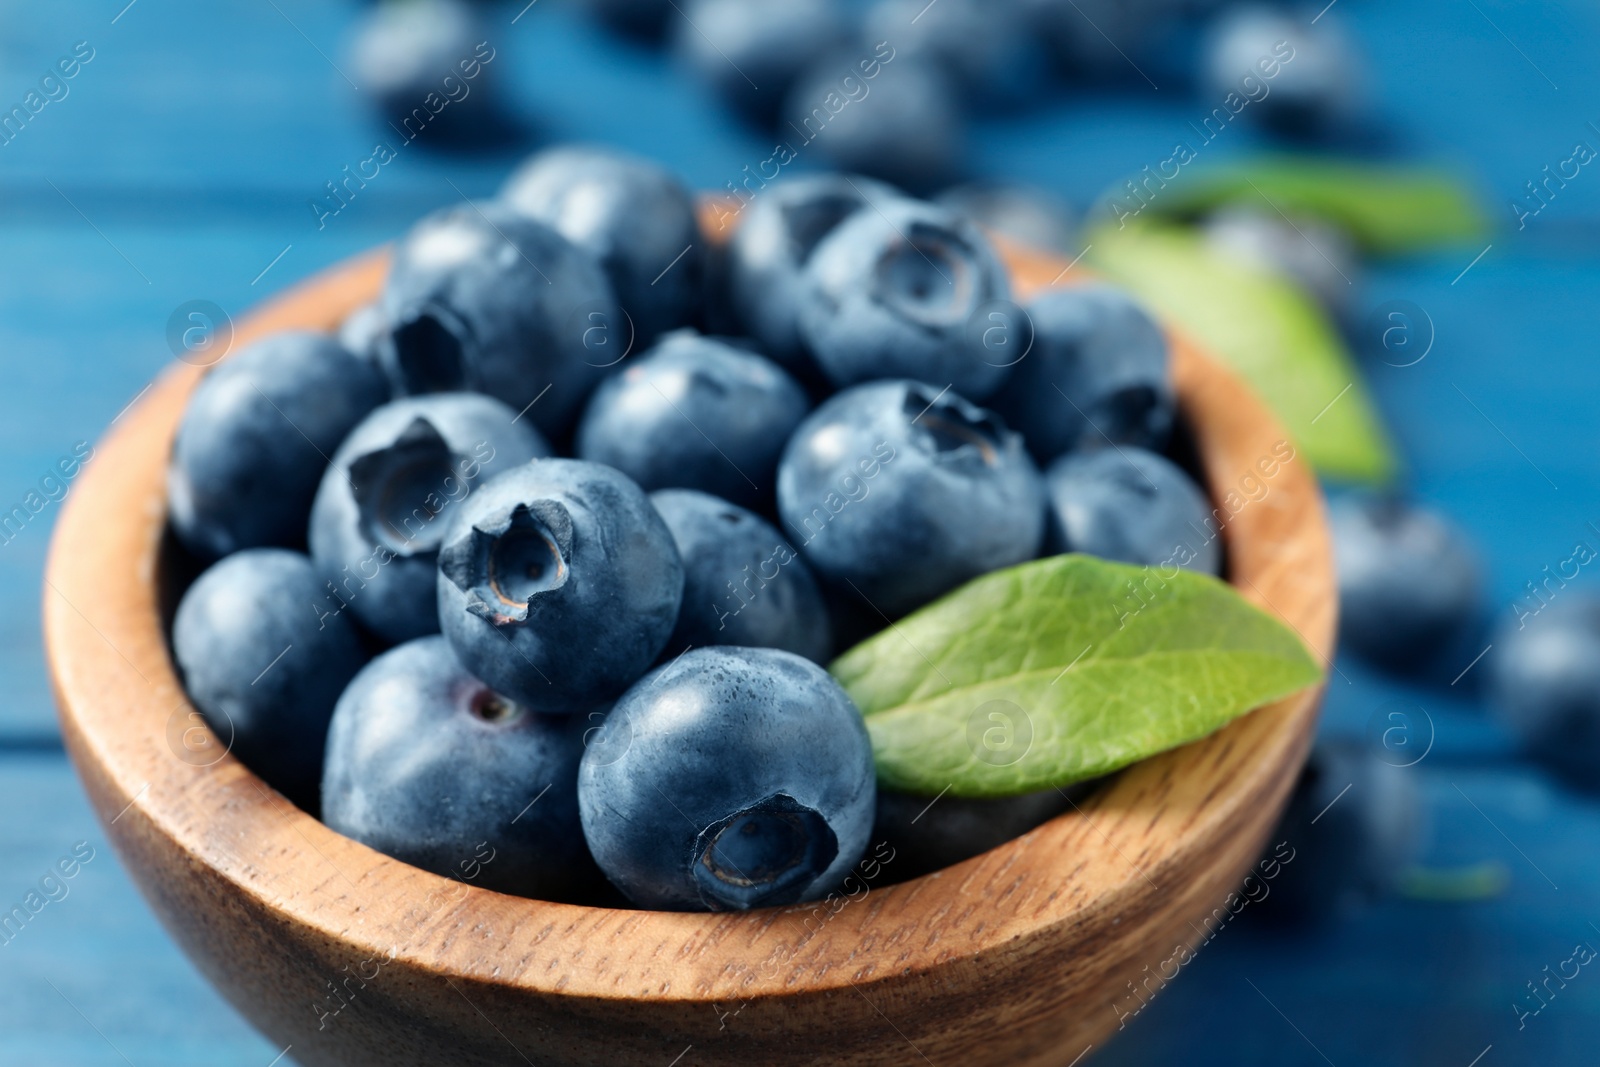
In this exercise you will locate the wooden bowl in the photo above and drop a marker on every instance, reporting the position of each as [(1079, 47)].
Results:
[(1021, 956)]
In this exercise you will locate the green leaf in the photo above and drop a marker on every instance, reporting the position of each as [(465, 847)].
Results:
[(1387, 209), (1063, 669), (1264, 327)]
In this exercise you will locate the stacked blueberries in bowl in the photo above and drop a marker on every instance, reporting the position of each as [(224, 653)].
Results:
[(529, 569)]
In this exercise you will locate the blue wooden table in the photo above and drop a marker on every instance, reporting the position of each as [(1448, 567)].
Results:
[(179, 166)]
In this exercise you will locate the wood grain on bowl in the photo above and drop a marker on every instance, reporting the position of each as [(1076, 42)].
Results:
[(1021, 956)]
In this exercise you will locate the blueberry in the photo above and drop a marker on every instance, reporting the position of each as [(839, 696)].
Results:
[(256, 436), (695, 413), (413, 59), (930, 833), (1316, 77), (731, 778), (1094, 373), (742, 582), (987, 47), (1408, 581), (902, 491), (429, 765), (363, 330), (1316, 255), (750, 51), (904, 125), (1019, 213), (558, 584), (1091, 40), (1352, 827), (1133, 506), (631, 214), (768, 253), (386, 499), (893, 292), (1544, 682), (265, 664), (482, 298)]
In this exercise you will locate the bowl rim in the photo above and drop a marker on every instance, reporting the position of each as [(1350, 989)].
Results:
[(119, 697)]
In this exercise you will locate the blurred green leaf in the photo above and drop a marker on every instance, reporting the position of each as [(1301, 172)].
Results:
[(1387, 209), (1264, 327)]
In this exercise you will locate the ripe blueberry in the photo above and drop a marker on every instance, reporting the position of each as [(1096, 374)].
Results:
[(482, 298), (1096, 373), (255, 438), (912, 133), (1019, 213), (1544, 681), (631, 214), (891, 293), (768, 253), (1351, 828), (1133, 506), (265, 664), (385, 501), (429, 765), (413, 61), (731, 778), (1316, 255), (901, 491), (1315, 87), (558, 584), (695, 413), (750, 51), (1408, 580), (742, 582)]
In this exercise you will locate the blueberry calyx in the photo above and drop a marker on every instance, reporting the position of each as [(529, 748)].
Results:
[(504, 566), (394, 488), (947, 428), (926, 278), (430, 351), (764, 855), (494, 709)]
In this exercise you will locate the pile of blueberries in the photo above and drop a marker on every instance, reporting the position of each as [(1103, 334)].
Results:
[(539, 558), (887, 87)]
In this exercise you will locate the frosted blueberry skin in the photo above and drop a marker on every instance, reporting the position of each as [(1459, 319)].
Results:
[(1021, 213), (430, 766), (631, 214), (1317, 87), (695, 413), (1334, 857), (1097, 373), (768, 252), (1544, 683), (255, 437), (482, 298), (988, 48), (265, 663), (749, 52), (892, 293), (386, 500), (1132, 506), (928, 834), (1317, 255), (403, 53), (558, 584), (731, 778), (912, 134), (900, 491), (1408, 581), (362, 332), (743, 584)]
